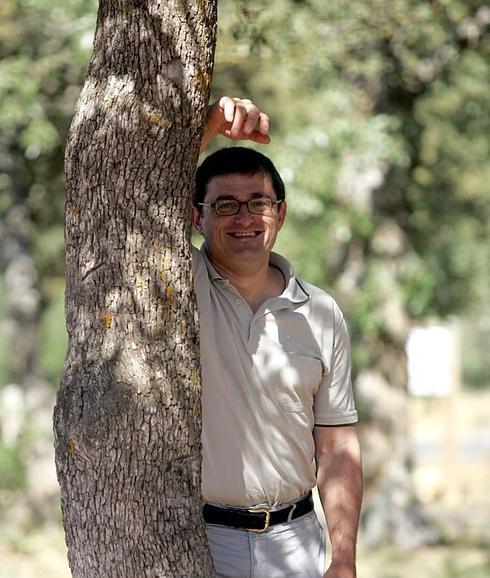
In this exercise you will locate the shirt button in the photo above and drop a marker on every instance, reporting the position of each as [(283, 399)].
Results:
[(238, 301)]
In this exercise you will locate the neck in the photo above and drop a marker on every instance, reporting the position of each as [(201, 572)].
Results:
[(255, 282)]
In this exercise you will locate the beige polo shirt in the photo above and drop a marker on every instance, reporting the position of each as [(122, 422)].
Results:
[(268, 378)]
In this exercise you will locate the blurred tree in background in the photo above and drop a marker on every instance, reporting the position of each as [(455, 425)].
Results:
[(44, 50), (380, 123)]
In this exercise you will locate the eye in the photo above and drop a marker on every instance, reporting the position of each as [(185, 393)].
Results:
[(226, 206), (260, 205)]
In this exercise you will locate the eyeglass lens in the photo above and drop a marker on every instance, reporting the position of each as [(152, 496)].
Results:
[(232, 206)]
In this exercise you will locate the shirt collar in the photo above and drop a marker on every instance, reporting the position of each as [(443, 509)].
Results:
[(212, 273), (294, 290)]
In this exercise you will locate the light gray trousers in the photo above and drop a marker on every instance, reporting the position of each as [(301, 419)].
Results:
[(294, 549)]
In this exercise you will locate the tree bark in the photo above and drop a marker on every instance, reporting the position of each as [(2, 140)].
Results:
[(127, 419)]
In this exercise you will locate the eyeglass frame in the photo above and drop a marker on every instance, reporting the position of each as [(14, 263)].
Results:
[(240, 204)]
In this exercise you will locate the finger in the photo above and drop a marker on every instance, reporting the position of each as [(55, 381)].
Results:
[(260, 138), (228, 105), (238, 119), (242, 100), (255, 136), (264, 123), (245, 123), (252, 119)]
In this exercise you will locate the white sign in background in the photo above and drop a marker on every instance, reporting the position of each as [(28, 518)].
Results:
[(433, 360)]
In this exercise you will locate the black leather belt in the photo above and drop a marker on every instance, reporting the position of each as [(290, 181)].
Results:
[(256, 519)]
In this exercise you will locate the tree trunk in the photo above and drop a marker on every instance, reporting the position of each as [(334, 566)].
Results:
[(127, 419)]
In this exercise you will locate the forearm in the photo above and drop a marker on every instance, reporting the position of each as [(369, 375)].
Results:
[(339, 480), (209, 131)]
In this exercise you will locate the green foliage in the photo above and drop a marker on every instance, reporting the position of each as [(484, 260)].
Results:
[(12, 469), (3, 336), (380, 116), (476, 337), (449, 187), (44, 50), (53, 336)]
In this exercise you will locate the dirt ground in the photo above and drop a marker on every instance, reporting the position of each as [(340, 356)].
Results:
[(451, 442), (43, 556)]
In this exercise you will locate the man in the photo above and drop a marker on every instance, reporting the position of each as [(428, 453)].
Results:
[(277, 398)]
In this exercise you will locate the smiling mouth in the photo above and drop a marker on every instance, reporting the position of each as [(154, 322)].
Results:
[(245, 235)]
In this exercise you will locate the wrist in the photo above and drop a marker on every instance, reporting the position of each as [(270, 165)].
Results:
[(344, 549), (207, 136), (342, 568)]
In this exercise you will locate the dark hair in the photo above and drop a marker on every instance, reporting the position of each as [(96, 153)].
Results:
[(240, 160)]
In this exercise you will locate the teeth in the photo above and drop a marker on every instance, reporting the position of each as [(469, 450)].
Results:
[(252, 234)]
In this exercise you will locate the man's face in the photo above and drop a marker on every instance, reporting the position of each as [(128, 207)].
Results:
[(244, 236)]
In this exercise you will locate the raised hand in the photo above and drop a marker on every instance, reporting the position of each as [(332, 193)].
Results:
[(237, 119)]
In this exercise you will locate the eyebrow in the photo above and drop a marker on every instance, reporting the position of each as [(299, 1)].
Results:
[(230, 197)]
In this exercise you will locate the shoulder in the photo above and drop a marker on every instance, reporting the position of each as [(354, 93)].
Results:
[(199, 268), (322, 302), (319, 306), (195, 253)]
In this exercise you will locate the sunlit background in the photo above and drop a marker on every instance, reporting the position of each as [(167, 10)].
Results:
[(380, 125)]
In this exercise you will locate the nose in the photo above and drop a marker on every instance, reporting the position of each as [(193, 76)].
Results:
[(243, 216)]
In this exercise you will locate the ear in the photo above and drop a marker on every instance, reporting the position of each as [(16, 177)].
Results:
[(196, 219), (283, 209)]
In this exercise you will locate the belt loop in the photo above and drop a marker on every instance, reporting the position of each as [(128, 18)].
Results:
[(290, 515)]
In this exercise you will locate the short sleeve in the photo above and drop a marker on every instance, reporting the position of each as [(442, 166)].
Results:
[(334, 400)]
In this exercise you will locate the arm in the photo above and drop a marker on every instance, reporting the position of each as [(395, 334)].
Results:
[(237, 119), (339, 480)]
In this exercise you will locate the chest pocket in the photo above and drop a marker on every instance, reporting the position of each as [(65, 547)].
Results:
[(298, 380)]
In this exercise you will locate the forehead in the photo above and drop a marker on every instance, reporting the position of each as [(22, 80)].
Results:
[(239, 186)]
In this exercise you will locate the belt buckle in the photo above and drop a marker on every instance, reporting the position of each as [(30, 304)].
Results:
[(267, 519)]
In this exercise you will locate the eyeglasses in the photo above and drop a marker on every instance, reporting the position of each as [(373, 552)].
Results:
[(228, 207)]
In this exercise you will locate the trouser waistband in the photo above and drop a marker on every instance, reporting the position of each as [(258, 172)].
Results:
[(256, 519)]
